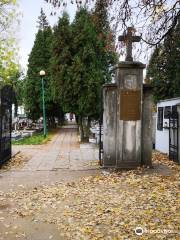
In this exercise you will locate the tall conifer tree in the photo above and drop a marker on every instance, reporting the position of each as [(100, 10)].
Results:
[(87, 70), (61, 60), (107, 54), (81, 63), (164, 67), (38, 60)]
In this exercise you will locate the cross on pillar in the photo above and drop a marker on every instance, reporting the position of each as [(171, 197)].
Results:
[(128, 38)]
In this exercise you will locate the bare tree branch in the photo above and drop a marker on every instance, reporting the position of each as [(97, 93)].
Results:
[(154, 19)]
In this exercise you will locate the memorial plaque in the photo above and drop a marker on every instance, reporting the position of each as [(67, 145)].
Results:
[(130, 81), (130, 105)]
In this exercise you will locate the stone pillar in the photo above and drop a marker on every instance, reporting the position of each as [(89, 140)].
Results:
[(109, 124), (178, 110), (147, 126), (129, 114)]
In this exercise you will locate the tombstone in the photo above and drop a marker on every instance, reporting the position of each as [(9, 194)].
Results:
[(6, 98), (127, 141)]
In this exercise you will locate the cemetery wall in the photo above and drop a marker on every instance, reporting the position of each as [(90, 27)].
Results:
[(162, 134)]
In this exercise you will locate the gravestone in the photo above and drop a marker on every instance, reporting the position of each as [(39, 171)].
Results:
[(127, 114)]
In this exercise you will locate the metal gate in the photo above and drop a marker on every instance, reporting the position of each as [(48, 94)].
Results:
[(6, 97), (100, 129), (173, 135)]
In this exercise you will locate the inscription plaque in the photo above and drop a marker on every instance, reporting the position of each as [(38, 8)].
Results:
[(130, 81), (130, 105)]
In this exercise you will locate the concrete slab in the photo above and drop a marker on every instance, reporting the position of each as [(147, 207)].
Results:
[(62, 159)]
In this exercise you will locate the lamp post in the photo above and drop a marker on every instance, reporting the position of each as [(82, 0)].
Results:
[(42, 74)]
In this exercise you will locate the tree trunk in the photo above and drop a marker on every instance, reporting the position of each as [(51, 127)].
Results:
[(88, 128), (77, 119), (53, 122), (48, 122), (81, 128)]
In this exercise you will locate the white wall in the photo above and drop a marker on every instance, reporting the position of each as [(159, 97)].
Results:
[(162, 137)]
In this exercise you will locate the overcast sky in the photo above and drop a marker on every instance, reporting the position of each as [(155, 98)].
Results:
[(30, 10)]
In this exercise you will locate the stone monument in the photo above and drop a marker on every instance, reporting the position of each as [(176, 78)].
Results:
[(127, 116)]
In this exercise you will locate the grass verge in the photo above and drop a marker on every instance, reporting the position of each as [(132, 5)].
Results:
[(36, 139)]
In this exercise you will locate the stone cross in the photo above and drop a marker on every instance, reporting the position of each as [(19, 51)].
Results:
[(129, 39)]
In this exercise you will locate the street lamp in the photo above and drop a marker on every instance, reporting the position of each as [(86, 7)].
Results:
[(42, 74)]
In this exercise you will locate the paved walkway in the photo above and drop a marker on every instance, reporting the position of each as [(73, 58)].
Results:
[(63, 152), (62, 159)]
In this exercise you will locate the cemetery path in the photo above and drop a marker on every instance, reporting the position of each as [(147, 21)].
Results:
[(62, 159)]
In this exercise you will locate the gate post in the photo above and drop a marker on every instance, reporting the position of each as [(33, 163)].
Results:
[(178, 129), (109, 124), (147, 126), (7, 97)]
